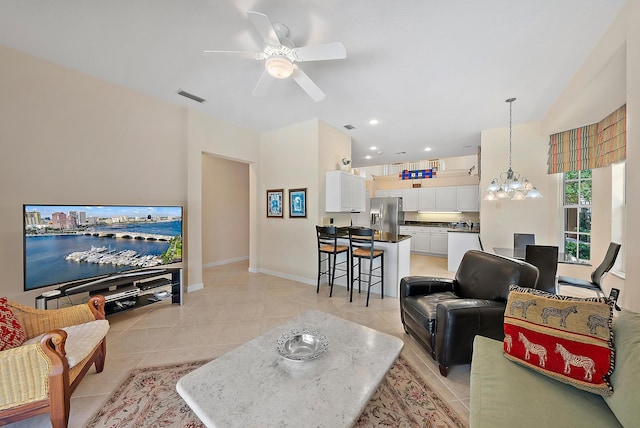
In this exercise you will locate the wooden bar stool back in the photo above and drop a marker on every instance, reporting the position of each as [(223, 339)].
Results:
[(328, 251), (361, 244)]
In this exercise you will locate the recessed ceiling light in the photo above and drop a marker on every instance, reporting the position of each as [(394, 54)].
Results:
[(380, 152), (367, 157), (373, 148), (373, 122), (427, 149)]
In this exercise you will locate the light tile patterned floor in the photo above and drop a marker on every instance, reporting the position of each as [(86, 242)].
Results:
[(234, 307)]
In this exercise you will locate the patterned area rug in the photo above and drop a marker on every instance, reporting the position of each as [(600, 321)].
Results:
[(148, 398)]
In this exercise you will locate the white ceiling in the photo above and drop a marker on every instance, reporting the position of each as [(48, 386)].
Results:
[(435, 73)]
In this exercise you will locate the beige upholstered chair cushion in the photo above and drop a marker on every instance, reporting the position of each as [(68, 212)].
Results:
[(81, 339)]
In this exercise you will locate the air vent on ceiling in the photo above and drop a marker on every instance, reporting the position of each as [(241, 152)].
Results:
[(191, 96), (349, 127)]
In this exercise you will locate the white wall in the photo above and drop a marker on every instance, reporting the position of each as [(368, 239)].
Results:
[(296, 156), (225, 211), (606, 80), (207, 135), (72, 139), (501, 219)]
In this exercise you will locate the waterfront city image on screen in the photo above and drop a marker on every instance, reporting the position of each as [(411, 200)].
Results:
[(64, 243)]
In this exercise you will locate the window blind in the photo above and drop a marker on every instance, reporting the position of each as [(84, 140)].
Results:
[(591, 146)]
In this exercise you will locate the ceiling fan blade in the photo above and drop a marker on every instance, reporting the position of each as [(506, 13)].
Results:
[(321, 52), (307, 85), (263, 85), (246, 54), (264, 27)]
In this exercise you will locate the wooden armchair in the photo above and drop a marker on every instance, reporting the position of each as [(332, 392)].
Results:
[(36, 377)]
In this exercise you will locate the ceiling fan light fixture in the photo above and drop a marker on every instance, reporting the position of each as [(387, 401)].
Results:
[(279, 67)]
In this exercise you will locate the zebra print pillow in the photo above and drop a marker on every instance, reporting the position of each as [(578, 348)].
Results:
[(566, 338)]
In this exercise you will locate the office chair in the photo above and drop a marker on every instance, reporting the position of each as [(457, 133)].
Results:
[(520, 242), (545, 258), (597, 275)]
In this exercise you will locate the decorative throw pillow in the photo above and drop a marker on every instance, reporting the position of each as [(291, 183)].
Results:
[(566, 338), (12, 334)]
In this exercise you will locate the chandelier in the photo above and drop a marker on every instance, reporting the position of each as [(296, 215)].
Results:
[(510, 186)]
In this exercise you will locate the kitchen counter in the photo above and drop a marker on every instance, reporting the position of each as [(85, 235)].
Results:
[(464, 230), (397, 260), (447, 225), (459, 244), (377, 237)]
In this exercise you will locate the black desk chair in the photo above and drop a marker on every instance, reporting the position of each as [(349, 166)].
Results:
[(361, 243), (545, 258), (597, 275), (521, 240), (328, 245)]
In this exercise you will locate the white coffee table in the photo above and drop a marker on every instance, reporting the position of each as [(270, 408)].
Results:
[(254, 386)]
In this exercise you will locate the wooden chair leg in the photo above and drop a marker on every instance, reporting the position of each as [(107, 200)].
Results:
[(102, 355), (59, 401)]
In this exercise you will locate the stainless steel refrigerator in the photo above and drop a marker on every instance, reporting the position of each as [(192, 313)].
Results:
[(386, 215)]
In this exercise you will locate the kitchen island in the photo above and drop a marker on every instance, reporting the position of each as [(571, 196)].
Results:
[(397, 260), (460, 241)]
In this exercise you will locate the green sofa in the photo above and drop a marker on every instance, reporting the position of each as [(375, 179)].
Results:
[(505, 394)]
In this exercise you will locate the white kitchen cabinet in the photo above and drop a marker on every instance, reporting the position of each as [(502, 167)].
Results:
[(357, 193), (438, 241), (396, 193), (420, 238), (427, 199), (410, 199), (408, 230), (446, 199), (423, 244), (344, 192), (468, 198), (382, 193)]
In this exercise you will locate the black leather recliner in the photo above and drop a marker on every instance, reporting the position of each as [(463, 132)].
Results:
[(444, 315)]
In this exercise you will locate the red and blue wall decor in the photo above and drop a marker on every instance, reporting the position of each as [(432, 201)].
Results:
[(417, 174)]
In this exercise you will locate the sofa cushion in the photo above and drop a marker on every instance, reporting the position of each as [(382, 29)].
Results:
[(567, 338), (423, 308), (626, 378), (81, 339), (12, 334), (507, 395)]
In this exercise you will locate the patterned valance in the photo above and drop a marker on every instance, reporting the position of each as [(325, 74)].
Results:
[(588, 147)]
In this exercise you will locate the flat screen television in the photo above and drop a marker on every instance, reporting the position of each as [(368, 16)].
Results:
[(65, 243)]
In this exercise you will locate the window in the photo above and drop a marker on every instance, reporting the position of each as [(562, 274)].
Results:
[(577, 214)]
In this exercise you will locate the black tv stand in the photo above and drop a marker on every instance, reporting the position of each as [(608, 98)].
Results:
[(125, 290)]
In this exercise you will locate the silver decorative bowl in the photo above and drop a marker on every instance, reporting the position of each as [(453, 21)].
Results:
[(302, 345)]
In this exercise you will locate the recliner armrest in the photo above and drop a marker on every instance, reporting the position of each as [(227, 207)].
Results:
[(459, 321), (423, 285)]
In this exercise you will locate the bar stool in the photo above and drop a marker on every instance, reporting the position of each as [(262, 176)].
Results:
[(361, 245), (328, 245)]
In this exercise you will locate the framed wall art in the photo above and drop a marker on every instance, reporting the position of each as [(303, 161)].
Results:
[(275, 200), (298, 203)]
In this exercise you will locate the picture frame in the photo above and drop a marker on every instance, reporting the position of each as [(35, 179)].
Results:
[(298, 203), (275, 203)]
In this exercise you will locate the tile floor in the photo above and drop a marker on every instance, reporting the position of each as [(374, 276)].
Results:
[(234, 307)]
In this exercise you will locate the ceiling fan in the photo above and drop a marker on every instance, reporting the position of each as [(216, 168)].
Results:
[(281, 56)]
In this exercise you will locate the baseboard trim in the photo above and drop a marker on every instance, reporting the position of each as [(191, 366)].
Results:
[(225, 262), (303, 280), (195, 287)]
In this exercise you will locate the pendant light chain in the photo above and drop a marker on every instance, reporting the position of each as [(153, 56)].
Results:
[(510, 185), (510, 101)]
